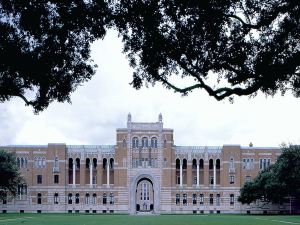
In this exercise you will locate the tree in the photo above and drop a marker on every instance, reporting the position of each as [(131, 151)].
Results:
[(45, 48), (9, 173), (277, 182), (227, 47)]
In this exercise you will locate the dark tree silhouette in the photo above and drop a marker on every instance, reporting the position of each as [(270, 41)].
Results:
[(227, 47), (45, 48)]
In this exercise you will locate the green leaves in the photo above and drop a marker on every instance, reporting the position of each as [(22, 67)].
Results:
[(278, 181), (9, 173)]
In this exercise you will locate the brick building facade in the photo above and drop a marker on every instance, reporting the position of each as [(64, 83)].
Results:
[(144, 172)]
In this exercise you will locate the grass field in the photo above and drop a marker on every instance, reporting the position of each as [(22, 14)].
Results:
[(86, 219)]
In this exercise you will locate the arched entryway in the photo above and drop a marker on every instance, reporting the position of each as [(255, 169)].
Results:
[(144, 194)]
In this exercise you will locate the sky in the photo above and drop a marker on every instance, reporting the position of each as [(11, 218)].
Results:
[(101, 105)]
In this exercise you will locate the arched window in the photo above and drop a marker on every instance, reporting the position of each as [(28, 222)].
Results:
[(94, 163), (104, 199), (104, 163), (77, 198), (124, 143), (56, 198), (211, 199), (87, 199), (111, 199), (111, 163), (39, 198), (201, 199), (77, 163), (184, 164), (94, 199), (211, 164), (184, 200), (177, 199), (135, 142), (43, 162), (87, 163), (201, 164), (218, 164), (144, 142), (194, 164), (231, 199), (194, 199), (70, 198), (70, 163), (154, 142)]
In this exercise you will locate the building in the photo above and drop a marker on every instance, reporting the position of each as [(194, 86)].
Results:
[(144, 172)]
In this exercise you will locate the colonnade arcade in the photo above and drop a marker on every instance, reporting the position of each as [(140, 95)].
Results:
[(91, 171), (200, 172)]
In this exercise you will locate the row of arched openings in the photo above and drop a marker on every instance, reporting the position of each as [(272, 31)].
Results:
[(106, 163)]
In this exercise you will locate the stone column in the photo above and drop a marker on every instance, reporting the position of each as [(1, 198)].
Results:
[(198, 177), (91, 174), (74, 173), (215, 175), (181, 174), (107, 173)]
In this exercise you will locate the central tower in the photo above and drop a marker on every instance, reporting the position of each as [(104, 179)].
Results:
[(146, 149)]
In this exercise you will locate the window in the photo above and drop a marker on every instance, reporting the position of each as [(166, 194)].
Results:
[(135, 142), (70, 198), (22, 191), (178, 180), (194, 180), (201, 199), (211, 199), (104, 199), (56, 179), (144, 142), (111, 199), (43, 162), (87, 199), (232, 199), (94, 180), (39, 198), (211, 180), (218, 200), (184, 200), (154, 142), (177, 199), (231, 179), (165, 143), (268, 162), (77, 198), (264, 163), (55, 198), (39, 179), (94, 199), (194, 199), (248, 179)]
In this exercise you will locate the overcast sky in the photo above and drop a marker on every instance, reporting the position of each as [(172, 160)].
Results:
[(102, 104)]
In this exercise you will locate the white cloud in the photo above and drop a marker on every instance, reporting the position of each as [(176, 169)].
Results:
[(101, 105)]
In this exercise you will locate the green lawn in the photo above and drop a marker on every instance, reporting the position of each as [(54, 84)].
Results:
[(84, 219)]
